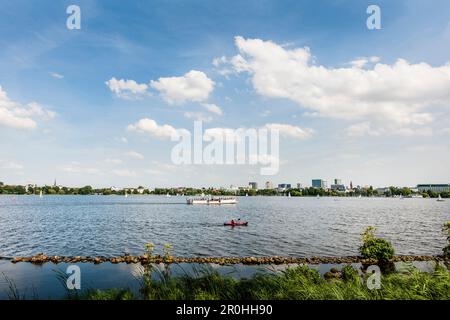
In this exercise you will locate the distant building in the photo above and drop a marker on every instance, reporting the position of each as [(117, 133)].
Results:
[(253, 185), (318, 183), (337, 187), (299, 186), (433, 187), (141, 190), (383, 190), (337, 181), (27, 187), (269, 185), (284, 186)]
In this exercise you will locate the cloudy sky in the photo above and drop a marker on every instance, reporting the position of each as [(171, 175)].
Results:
[(98, 105)]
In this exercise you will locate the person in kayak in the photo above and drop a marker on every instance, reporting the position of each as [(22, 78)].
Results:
[(236, 223)]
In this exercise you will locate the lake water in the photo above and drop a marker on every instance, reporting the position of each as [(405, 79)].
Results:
[(299, 227)]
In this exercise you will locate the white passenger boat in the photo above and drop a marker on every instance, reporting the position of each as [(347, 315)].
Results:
[(212, 201)]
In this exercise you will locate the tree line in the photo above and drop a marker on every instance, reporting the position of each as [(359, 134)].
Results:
[(293, 192)]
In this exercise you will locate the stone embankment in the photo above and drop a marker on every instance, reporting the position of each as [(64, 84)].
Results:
[(42, 258)]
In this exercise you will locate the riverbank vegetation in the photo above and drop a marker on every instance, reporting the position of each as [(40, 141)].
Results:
[(298, 283), (446, 250), (293, 192)]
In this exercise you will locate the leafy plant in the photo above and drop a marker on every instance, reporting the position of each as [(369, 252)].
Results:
[(350, 275), (149, 248), (375, 248), (149, 287), (167, 250)]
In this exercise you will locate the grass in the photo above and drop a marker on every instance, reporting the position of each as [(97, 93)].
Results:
[(297, 283)]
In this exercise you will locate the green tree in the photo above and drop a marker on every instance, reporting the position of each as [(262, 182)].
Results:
[(406, 192), (375, 248), (85, 190)]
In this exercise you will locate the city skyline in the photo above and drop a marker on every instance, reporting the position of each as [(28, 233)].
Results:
[(97, 106), (250, 185)]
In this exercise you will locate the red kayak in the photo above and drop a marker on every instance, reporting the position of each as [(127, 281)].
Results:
[(236, 223)]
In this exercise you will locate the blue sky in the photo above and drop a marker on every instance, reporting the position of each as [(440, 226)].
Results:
[(78, 134)]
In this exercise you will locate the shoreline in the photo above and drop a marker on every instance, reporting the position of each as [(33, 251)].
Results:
[(282, 194), (275, 260)]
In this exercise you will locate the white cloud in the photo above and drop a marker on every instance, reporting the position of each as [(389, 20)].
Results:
[(290, 131), (198, 116), (219, 61), (362, 62), (265, 113), (264, 159), (159, 168), (445, 131), (310, 114), (10, 165), (193, 86), (134, 155), (56, 75), (366, 129), (220, 133), (151, 127), (114, 161), (16, 115), (213, 108), (285, 130), (128, 89), (397, 93), (124, 173), (76, 168), (361, 129), (153, 172)]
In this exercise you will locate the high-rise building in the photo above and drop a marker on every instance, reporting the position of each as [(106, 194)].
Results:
[(253, 185), (317, 183), (337, 181), (299, 185), (269, 185)]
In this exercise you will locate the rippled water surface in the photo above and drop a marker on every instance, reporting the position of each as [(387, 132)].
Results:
[(113, 225)]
